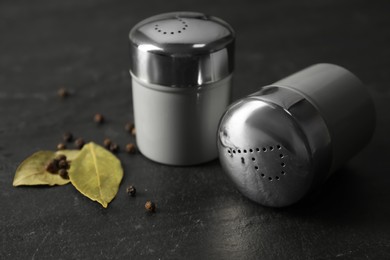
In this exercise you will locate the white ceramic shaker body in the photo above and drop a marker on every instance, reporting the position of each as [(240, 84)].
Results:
[(181, 68)]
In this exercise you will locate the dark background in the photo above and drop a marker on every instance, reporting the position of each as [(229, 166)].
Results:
[(83, 46)]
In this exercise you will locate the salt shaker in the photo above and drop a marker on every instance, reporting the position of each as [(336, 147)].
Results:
[(283, 142), (181, 68)]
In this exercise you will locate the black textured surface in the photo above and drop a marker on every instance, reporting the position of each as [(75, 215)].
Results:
[(82, 45)]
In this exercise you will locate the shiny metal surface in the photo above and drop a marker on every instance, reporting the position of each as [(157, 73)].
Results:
[(269, 145), (181, 49), (343, 102), (283, 141)]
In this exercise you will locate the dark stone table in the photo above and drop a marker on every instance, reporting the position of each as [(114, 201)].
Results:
[(83, 46)]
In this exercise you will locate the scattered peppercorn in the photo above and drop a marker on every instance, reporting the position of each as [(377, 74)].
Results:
[(114, 148), (63, 164), (79, 143), (107, 142), (57, 164), (130, 128), (150, 206), (52, 167), (98, 118), (64, 174), (67, 137), (131, 190), (63, 92), (61, 146), (130, 148), (55, 161), (133, 131)]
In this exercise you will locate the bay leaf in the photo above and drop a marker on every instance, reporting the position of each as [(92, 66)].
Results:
[(32, 171), (96, 173)]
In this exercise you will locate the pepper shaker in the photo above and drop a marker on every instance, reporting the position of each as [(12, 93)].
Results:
[(181, 68), (284, 141)]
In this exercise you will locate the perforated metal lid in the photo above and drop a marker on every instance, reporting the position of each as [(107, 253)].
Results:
[(181, 49), (267, 143), (283, 141)]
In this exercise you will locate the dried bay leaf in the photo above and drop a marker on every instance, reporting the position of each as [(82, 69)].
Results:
[(96, 173), (32, 171)]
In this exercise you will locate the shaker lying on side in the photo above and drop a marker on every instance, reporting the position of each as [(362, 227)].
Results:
[(283, 141), (181, 67)]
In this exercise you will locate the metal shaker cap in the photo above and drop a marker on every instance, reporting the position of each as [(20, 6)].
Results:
[(181, 49), (282, 142)]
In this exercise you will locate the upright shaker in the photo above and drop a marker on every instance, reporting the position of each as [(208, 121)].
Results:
[(282, 142), (181, 68)]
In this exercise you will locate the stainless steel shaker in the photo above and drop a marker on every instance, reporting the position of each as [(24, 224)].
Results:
[(181, 68), (283, 141)]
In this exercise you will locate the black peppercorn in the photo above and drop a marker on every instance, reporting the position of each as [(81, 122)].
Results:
[(107, 142), (98, 118), (55, 161), (114, 148), (63, 92), (131, 190), (67, 137), (130, 148), (52, 167), (79, 143), (63, 164), (150, 206), (129, 127), (64, 174), (61, 146)]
